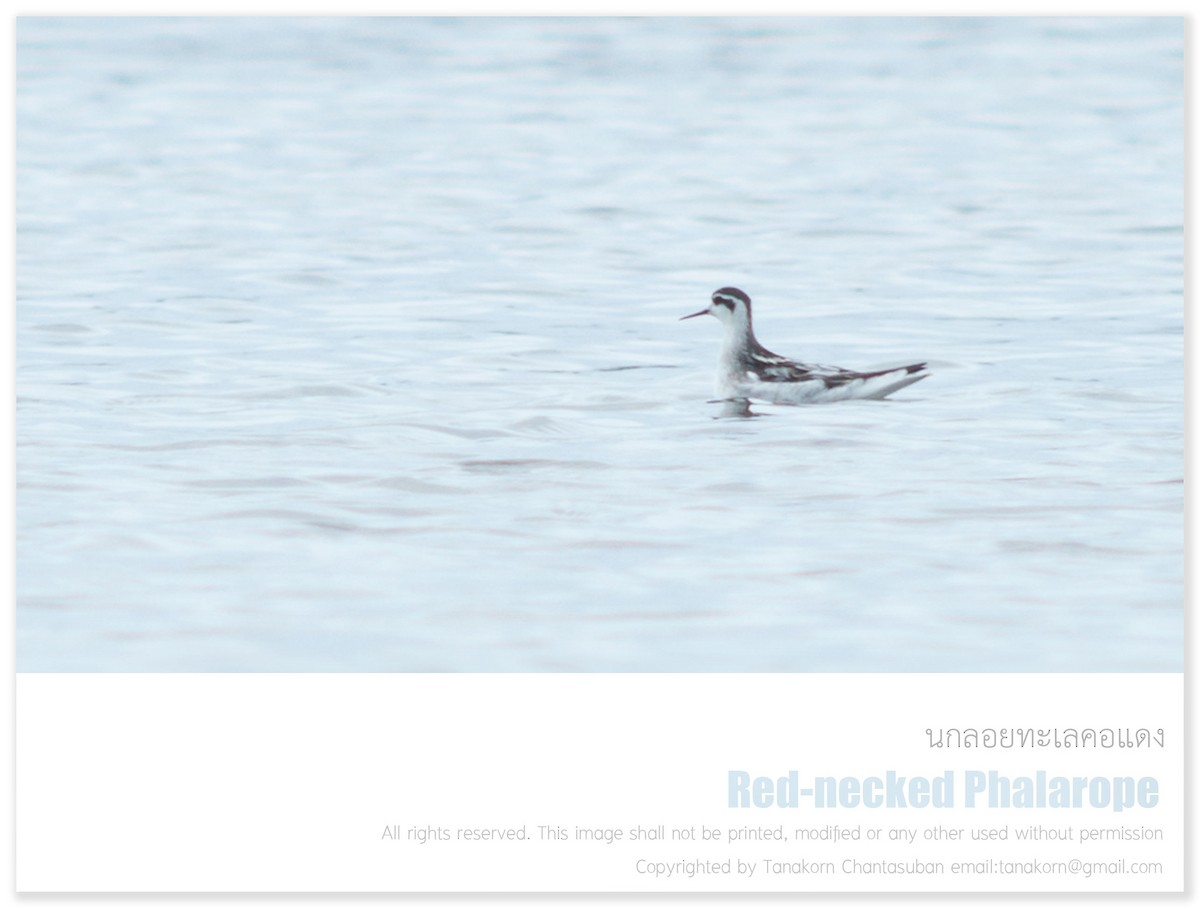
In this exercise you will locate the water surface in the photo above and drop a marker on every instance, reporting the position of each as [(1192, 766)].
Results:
[(352, 344)]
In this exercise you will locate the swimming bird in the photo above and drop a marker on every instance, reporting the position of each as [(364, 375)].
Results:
[(747, 369)]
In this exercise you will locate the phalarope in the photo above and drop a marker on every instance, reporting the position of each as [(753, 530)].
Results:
[(747, 369)]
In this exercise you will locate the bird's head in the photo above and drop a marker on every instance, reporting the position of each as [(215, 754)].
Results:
[(729, 304)]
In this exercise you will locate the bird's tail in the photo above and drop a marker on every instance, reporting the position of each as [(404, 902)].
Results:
[(878, 385)]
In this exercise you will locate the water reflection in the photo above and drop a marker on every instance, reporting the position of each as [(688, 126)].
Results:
[(734, 407)]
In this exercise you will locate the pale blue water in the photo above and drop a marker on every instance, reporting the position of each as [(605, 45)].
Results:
[(351, 345)]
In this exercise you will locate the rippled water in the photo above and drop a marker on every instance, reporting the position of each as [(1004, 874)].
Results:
[(352, 345)]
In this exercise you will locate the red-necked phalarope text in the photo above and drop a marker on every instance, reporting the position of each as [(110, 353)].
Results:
[(747, 369)]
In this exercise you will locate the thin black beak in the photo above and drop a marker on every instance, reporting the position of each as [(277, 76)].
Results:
[(694, 314)]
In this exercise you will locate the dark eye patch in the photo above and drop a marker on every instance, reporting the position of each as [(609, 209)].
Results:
[(724, 301)]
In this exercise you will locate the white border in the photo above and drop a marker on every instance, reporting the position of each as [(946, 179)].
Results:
[(378, 7)]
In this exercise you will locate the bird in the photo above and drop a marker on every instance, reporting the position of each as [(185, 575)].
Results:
[(746, 369)]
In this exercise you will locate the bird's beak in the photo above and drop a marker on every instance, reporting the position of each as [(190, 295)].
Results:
[(694, 314)]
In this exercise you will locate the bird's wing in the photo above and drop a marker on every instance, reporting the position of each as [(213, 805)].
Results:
[(772, 367), (838, 377)]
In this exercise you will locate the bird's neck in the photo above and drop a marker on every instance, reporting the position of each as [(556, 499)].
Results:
[(739, 336)]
